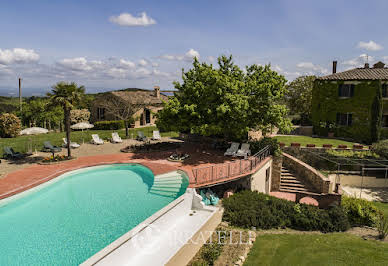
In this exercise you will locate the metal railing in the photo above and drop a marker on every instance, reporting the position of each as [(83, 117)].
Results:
[(213, 173)]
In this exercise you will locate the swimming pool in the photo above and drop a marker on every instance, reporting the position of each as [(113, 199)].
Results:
[(78, 214)]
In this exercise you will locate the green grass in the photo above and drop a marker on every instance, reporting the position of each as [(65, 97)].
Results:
[(383, 207), (25, 143), (314, 249), (303, 140)]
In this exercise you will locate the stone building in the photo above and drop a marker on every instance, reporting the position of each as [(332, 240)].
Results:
[(344, 103), (148, 103)]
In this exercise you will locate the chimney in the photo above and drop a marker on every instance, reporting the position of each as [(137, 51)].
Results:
[(334, 67), (366, 65), (157, 92)]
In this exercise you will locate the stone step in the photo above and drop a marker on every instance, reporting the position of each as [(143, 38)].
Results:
[(168, 181), (286, 174), (289, 180), (292, 189), (164, 194), (292, 184)]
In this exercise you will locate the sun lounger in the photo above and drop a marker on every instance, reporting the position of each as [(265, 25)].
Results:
[(73, 145), (9, 153), (96, 139), (116, 138), (156, 135), (48, 147), (140, 136), (244, 151), (232, 149)]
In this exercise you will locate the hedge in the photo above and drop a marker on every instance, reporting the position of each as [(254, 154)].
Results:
[(251, 209), (109, 125), (360, 212)]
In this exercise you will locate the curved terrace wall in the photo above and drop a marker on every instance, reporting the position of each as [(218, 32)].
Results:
[(308, 173)]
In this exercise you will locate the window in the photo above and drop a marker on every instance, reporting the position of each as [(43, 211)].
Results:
[(100, 113), (344, 119), (384, 89), (346, 90), (385, 121)]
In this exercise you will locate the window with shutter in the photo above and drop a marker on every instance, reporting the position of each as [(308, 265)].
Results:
[(384, 88), (346, 90)]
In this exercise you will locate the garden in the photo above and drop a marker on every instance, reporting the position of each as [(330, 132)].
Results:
[(299, 234)]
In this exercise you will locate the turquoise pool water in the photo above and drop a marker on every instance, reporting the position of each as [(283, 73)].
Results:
[(71, 219)]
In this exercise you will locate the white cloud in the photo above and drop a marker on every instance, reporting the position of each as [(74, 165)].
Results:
[(154, 64), (277, 68), (192, 53), (126, 19), (143, 62), (358, 61), (188, 56), (18, 56), (127, 64), (370, 46), (312, 69), (211, 59), (76, 64)]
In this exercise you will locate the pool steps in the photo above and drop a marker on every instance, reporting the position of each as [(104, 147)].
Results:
[(168, 185)]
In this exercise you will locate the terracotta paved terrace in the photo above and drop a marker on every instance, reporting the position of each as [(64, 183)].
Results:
[(31, 176)]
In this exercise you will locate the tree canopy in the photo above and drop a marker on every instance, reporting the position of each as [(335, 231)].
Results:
[(67, 95), (299, 96), (226, 101)]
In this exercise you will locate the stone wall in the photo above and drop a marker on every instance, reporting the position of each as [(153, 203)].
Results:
[(308, 173), (276, 173)]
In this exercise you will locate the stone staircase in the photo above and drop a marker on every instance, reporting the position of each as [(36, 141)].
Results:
[(291, 184), (169, 185)]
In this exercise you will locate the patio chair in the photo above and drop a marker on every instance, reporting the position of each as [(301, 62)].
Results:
[(11, 154), (96, 140), (244, 151), (140, 136), (48, 147), (156, 135), (232, 149), (73, 145), (116, 138)]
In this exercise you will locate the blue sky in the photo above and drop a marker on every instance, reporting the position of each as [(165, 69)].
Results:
[(116, 44)]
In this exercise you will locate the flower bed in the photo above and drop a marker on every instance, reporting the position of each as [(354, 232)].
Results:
[(55, 159), (178, 157), (151, 147)]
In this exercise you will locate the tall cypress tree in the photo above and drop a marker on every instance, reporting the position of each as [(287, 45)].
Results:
[(377, 112)]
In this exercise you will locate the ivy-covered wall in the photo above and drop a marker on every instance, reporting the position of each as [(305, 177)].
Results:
[(326, 104)]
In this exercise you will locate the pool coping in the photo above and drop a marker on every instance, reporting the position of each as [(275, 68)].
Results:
[(100, 255)]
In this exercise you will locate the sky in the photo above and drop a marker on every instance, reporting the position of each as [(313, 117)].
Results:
[(116, 44)]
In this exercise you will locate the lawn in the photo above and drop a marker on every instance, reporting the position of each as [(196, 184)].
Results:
[(25, 143), (383, 207), (316, 249), (303, 140)]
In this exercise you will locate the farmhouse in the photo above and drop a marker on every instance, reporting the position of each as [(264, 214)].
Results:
[(145, 102), (346, 103)]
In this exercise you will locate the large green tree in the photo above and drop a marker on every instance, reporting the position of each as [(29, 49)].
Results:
[(67, 95), (38, 112), (226, 101), (299, 95)]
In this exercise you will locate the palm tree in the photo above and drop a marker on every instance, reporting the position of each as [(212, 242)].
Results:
[(66, 95)]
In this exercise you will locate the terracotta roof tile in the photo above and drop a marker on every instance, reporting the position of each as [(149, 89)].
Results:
[(359, 74)]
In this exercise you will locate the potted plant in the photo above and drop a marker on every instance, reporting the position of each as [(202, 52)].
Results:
[(331, 128)]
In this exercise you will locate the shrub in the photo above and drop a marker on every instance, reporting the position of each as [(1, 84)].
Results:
[(10, 125), (360, 212), (247, 209), (382, 226), (109, 125), (273, 143), (381, 148)]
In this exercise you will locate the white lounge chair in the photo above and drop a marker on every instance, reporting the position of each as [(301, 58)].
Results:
[(116, 138), (73, 145), (96, 139), (244, 151), (232, 150), (156, 135)]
